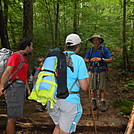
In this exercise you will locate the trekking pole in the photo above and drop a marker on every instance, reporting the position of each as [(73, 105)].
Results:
[(92, 112), (130, 122), (10, 83), (98, 88)]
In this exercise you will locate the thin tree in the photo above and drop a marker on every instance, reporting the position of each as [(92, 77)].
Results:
[(28, 19), (3, 31), (125, 56), (75, 17), (57, 25)]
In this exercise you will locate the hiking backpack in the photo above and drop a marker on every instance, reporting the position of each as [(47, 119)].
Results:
[(4, 55), (52, 79), (102, 51)]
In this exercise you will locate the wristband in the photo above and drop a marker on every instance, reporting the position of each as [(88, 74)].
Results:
[(102, 59)]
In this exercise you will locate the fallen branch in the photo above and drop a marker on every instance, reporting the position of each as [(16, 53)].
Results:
[(130, 124)]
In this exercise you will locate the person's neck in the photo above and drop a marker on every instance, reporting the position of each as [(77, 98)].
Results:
[(23, 52), (96, 46)]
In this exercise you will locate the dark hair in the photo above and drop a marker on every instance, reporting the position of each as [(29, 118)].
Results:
[(71, 48), (24, 43)]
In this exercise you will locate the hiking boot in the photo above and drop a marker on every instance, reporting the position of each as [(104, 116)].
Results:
[(94, 105), (103, 106)]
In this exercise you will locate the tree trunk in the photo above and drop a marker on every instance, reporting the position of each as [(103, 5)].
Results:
[(5, 11), (57, 26), (50, 20), (3, 31), (75, 17), (28, 19), (125, 56)]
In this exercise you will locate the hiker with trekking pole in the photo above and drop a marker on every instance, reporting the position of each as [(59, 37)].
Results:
[(14, 83), (98, 56)]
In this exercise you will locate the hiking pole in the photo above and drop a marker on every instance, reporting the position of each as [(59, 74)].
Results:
[(130, 122), (92, 112), (98, 88), (10, 83)]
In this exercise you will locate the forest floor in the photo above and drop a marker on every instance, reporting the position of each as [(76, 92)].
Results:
[(34, 122)]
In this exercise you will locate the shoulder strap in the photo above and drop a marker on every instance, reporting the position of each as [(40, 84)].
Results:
[(69, 61), (75, 82), (20, 65), (103, 52), (91, 51)]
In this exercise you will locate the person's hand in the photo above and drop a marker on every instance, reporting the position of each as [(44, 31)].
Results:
[(93, 59), (89, 73), (97, 59), (28, 92)]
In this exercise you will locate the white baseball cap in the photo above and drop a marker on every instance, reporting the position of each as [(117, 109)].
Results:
[(72, 40)]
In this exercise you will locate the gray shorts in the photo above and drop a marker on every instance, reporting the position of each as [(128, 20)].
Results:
[(14, 96), (94, 84), (66, 115)]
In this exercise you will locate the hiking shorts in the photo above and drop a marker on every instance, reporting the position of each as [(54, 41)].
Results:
[(98, 81), (65, 114), (15, 96)]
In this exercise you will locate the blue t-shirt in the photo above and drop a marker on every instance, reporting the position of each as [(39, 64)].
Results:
[(98, 53), (80, 72)]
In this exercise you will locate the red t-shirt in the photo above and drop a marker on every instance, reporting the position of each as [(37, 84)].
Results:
[(14, 61)]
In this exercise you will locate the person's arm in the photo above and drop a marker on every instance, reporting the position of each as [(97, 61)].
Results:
[(5, 77), (109, 60), (84, 83), (86, 60), (28, 88)]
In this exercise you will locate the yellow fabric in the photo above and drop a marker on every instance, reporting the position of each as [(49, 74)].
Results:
[(44, 95)]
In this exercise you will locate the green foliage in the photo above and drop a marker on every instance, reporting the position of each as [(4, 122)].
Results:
[(124, 104)]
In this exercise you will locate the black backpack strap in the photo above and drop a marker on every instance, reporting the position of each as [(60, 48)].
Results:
[(91, 51), (103, 52), (19, 66)]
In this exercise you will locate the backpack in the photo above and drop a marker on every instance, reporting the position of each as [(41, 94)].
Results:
[(52, 79), (4, 55), (101, 67), (102, 50)]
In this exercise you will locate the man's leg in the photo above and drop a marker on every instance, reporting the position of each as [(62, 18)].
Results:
[(93, 87), (56, 130), (10, 128), (103, 101), (94, 102), (102, 91)]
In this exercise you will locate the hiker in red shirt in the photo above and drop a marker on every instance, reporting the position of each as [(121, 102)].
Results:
[(15, 94)]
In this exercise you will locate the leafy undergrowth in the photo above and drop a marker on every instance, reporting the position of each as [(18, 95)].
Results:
[(124, 91)]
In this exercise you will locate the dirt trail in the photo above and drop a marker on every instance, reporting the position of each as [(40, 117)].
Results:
[(40, 123)]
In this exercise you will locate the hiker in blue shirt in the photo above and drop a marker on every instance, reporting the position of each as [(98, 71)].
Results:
[(67, 112), (98, 56)]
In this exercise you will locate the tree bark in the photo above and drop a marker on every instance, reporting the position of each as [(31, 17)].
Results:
[(3, 31), (57, 25), (75, 17), (28, 19), (125, 55), (6, 12)]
